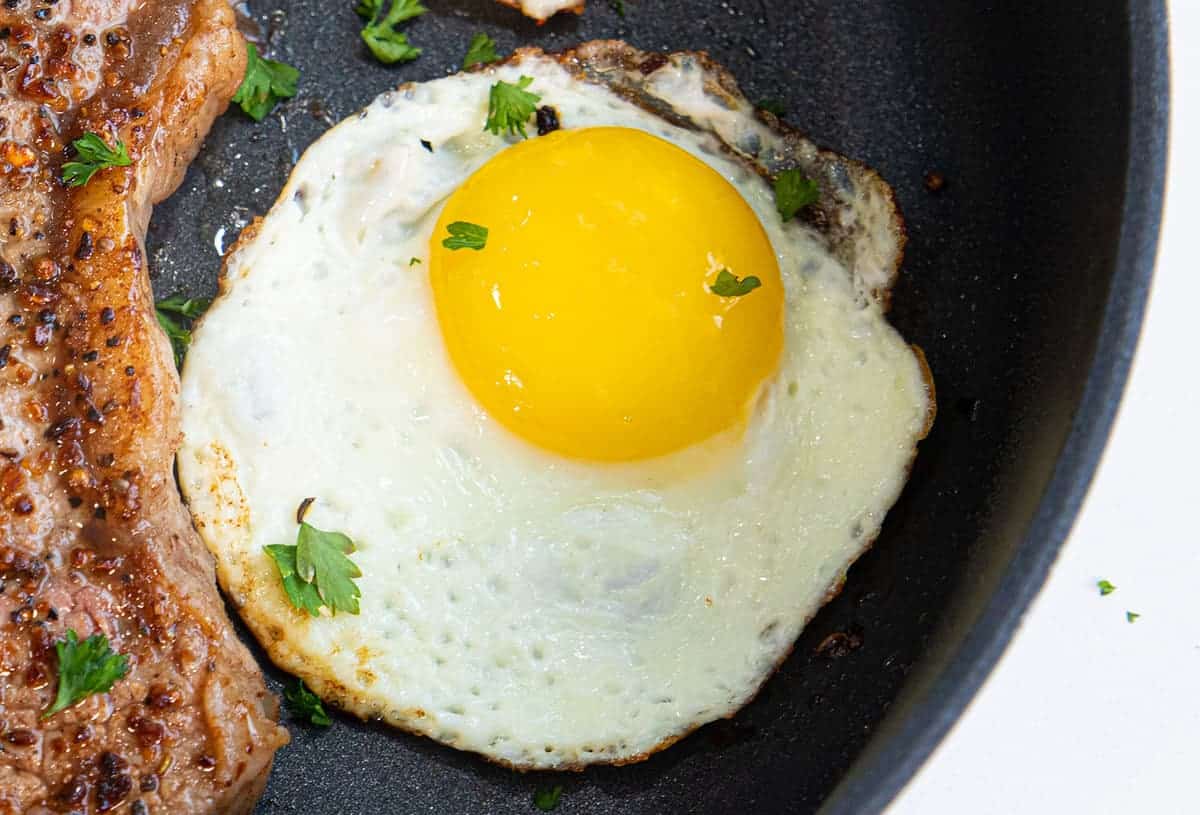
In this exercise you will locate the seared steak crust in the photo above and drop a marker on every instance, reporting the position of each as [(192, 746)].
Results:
[(93, 536)]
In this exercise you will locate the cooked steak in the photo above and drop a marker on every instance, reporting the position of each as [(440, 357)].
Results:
[(93, 537)]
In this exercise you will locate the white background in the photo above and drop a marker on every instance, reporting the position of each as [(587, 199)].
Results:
[(1086, 712)]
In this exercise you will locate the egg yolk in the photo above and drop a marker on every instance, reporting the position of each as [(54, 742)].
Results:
[(587, 324)]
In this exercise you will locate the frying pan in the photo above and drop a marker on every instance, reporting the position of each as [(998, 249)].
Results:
[(1024, 283)]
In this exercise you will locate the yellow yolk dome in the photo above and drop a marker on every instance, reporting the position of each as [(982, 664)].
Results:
[(588, 324)]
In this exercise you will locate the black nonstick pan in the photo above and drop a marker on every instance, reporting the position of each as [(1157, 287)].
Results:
[(1024, 283)]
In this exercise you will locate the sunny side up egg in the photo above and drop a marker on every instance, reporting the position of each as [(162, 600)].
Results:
[(593, 502)]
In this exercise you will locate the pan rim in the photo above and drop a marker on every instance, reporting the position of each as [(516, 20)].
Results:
[(877, 778)]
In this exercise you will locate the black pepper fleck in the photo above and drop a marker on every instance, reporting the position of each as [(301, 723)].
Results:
[(547, 120), (107, 315), (85, 248), (91, 356), (427, 145)]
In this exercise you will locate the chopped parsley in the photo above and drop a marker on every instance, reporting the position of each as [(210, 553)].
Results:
[(175, 314), (413, 261), (728, 285), (794, 192), (85, 668), (547, 799), (510, 106), (386, 43), (368, 9), (265, 83), (1105, 587), (92, 155), (465, 235), (306, 705), (1131, 616), (773, 106), (618, 6), (316, 572), (482, 51)]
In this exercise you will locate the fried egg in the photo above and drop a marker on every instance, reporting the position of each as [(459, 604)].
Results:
[(593, 500)]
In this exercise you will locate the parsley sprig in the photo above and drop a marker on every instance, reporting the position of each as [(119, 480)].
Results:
[(316, 571), (265, 83), (510, 106), (793, 192), (85, 668), (386, 43), (464, 235), (1106, 588), (306, 705), (175, 315), (547, 799), (482, 51), (92, 155), (728, 285)]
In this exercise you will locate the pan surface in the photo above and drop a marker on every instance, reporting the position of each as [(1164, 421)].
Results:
[(1024, 284)]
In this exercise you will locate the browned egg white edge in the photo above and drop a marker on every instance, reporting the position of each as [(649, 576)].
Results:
[(624, 70)]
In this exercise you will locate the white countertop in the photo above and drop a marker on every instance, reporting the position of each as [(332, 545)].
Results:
[(1087, 712)]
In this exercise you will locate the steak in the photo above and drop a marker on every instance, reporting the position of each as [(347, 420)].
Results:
[(93, 535)]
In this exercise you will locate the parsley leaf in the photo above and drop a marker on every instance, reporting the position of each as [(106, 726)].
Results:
[(510, 106), (386, 43), (618, 6), (464, 235), (303, 596), (772, 106), (265, 83), (482, 51), (728, 285), (547, 799), (85, 668), (316, 572), (190, 307), (793, 192), (413, 261), (172, 313), (1105, 587), (1132, 616), (93, 155), (321, 560), (368, 9), (306, 705)]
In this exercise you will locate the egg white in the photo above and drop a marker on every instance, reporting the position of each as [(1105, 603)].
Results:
[(545, 9), (545, 612)]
